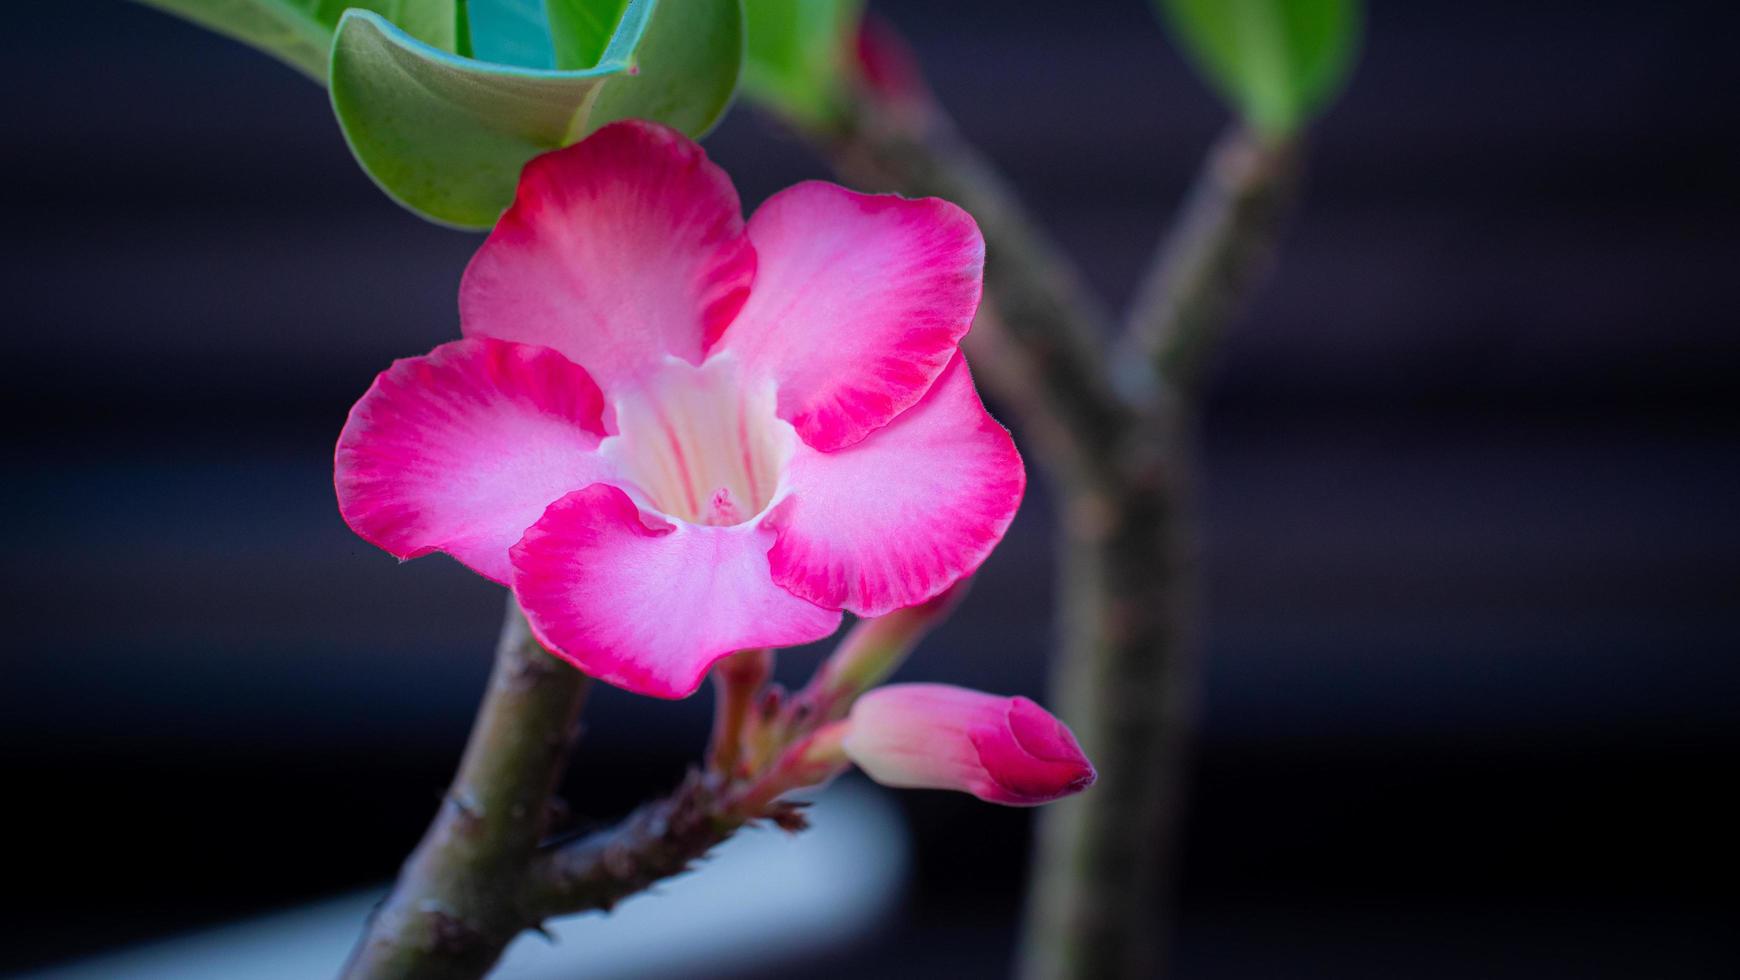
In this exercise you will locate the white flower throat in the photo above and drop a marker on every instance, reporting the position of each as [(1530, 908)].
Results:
[(698, 445)]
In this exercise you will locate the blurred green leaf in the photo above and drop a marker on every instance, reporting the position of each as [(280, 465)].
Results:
[(797, 55), (1277, 61), (299, 32), (446, 136)]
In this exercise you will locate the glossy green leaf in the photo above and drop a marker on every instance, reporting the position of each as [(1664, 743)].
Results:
[(686, 66), (434, 22), (443, 101), (1277, 61), (579, 30), (299, 32), (446, 136), (797, 55)]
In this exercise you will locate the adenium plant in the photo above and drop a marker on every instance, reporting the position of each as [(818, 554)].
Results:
[(682, 439)]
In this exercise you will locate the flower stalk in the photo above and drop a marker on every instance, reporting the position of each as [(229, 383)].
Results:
[(738, 680), (811, 761), (456, 905), (872, 651)]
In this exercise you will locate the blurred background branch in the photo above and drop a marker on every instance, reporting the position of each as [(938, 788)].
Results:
[(1116, 432), (1214, 256)]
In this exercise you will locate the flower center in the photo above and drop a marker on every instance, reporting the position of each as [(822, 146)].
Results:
[(698, 445)]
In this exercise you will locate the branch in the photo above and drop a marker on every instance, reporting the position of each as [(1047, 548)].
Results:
[(1212, 259), (657, 841), (666, 838), (480, 877), (455, 905), (1127, 675)]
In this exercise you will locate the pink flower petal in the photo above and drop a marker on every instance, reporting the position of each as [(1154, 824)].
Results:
[(1032, 757), (618, 250), (859, 301), (461, 450), (650, 605), (934, 736), (904, 514)]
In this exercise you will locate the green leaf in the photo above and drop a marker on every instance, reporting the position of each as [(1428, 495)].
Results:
[(443, 101), (1278, 61), (434, 22), (686, 66), (299, 32), (797, 55), (579, 30), (446, 136)]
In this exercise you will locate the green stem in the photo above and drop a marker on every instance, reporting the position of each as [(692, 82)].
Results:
[(456, 905), (482, 874), (738, 680)]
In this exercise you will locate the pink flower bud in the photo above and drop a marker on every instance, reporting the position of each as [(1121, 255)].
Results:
[(934, 736), (889, 71)]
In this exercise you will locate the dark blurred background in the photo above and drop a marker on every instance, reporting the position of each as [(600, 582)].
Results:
[(1473, 543)]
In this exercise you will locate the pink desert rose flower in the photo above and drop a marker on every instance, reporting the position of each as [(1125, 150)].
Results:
[(934, 736), (676, 435)]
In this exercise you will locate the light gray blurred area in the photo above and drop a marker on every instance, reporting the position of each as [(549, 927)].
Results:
[(762, 894)]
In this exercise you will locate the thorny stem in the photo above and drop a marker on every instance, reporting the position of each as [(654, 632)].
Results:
[(665, 838), (657, 841), (483, 874), (455, 906)]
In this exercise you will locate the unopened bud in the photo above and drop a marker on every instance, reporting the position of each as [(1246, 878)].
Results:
[(934, 736)]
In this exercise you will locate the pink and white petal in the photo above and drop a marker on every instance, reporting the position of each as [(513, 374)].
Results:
[(859, 302), (649, 605), (898, 518), (617, 251), (462, 449), (1032, 758)]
